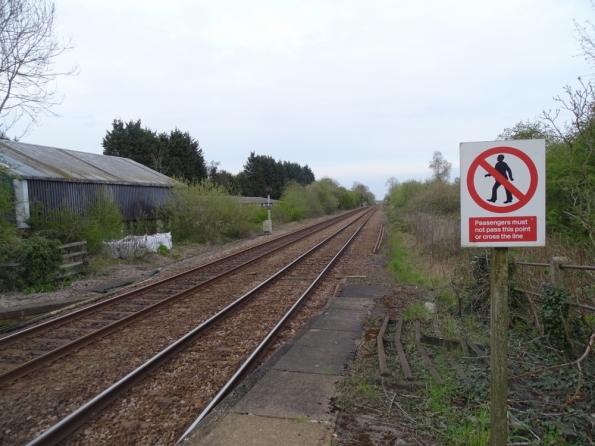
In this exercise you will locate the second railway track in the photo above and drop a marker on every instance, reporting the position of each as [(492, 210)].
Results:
[(29, 349), (27, 403)]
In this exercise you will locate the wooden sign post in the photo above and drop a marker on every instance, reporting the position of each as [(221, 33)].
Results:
[(502, 205), (499, 347)]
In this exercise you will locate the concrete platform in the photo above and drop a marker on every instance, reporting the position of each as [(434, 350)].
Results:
[(288, 400), (280, 395), (260, 431), (320, 351), (33, 309), (364, 290)]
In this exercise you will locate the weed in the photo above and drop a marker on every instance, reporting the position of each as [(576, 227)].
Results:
[(449, 327), (472, 431), (162, 250), (559, 328), (300, 419), (439, 397), (402, 265), (369, 321), (175, 255), (205, 212), (38, 289), (417, 311), (366, 388), (448, 299)]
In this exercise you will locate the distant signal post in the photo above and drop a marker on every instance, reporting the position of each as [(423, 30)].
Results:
[(267, 225), (502, 205)]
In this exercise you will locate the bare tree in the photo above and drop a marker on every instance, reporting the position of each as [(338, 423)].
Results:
[(578, 137), (364, 191), (29, 48), (441, 167), (585, 40)]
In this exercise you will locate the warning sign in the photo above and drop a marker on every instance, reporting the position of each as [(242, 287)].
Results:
[(503, 193), (503, 229), (502, 174)]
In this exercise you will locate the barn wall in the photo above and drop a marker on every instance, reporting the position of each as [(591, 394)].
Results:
[(133, 200)]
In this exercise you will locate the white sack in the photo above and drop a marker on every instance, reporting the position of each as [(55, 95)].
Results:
[(137, 245)]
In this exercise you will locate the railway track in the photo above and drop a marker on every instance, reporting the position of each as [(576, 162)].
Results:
[(26, 351), (215, 360)]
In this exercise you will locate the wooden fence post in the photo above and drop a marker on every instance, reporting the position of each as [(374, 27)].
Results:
[(557, 274)]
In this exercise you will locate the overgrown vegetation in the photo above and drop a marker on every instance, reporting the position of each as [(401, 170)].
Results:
[(546, 323), (551, 331), (196, 212), (40, 261), (205, 212), (95, 221)]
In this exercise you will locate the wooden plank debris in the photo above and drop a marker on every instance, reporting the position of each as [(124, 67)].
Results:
[(451, 361), (479, 352), (380, 345), (401, 352), (424, 354), (439, 342)]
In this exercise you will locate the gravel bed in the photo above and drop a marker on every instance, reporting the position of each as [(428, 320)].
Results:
[(29, 406), (190, 257), (170, 399)]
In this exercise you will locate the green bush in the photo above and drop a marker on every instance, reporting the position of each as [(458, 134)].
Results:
[(559, 326), (9, 240), (101, 222), (98, 220), (205, 212), (327, 189), (40, 261), (285, 212)]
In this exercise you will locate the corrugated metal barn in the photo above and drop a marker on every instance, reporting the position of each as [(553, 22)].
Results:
[(57, 177)]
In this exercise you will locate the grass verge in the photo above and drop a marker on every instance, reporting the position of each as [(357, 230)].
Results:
[(550, 407)]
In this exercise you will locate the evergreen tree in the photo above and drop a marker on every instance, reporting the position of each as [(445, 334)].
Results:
[(131, 141), (185, 157), (177, 154), (261, 171), (223, 178)]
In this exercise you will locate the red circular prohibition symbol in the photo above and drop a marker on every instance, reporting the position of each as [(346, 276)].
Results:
[(523, 199)]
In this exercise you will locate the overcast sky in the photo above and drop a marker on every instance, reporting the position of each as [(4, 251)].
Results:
[(358, 90)]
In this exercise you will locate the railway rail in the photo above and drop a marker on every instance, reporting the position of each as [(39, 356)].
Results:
[(25, 351), (217, 360)]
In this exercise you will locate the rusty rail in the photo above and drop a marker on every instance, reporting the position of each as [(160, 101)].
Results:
[(378, 240)]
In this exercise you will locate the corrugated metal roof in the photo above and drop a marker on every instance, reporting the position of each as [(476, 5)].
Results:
[(31, 161)]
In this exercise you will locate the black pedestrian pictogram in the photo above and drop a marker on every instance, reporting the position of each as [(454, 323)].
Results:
[(503, 169), (522, 198)]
